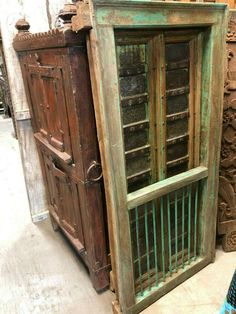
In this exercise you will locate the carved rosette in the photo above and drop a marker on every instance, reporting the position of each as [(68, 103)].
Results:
[(229, 241), (227, 183), (231, 34)]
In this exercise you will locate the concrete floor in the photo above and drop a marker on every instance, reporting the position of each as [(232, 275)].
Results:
[(40, 273)]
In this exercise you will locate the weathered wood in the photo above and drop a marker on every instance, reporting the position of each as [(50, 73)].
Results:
[(95, 74), (61, 155), (169, 185), (210, 113), (115, 143), (56, 76), (83, 19), (51, 39), (109, 16), (227, 195), (38, 206), (169, 285)]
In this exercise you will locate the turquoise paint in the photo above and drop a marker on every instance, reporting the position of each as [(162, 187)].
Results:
[(121, 17)]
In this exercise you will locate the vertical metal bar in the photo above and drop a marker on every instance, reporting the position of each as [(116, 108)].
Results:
[(147, 246), (160, 64), (176, 231), (183, 214), (138, 250), (201, 224), (162, 240), (189, 220), (195, 221), (169, 234), (155, 238)]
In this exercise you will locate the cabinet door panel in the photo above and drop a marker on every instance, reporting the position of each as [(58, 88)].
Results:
[(47, 93), (63, 197), (68, 202), (50, 184)]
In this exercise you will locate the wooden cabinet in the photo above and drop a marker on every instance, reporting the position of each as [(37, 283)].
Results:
[(57, 81)]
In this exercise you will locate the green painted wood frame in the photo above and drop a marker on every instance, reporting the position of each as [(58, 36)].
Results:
[(115, 14)]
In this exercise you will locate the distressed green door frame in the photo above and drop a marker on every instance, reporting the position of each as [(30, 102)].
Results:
[(112, 15)]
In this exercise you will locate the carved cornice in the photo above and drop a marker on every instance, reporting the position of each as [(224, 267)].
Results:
[(38, 36), (58, 37), (53, 38)]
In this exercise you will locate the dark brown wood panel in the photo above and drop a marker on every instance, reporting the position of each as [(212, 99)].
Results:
[(56, 76), (177, 57)]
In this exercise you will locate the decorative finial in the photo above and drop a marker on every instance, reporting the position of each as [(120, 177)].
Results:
[(66, 14), (22, 26)]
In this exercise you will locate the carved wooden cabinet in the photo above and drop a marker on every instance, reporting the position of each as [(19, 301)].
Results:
[(227, 182), (57, 81)]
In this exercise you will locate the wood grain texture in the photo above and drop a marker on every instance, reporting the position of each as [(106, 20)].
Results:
[(56, 76), (164, 187), (227, 196), (120, 14), (115, 144)]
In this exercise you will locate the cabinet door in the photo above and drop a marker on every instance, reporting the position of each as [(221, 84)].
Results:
[(68, 203), (63, 198), (46, 89)]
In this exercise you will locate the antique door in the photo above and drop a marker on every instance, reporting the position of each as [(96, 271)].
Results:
[(158, 84)]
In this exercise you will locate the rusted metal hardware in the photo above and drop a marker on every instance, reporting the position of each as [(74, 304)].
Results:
[(92, 168)]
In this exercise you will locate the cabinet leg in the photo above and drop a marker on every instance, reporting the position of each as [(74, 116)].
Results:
[(100, 279), (54, 224), (229, 241)]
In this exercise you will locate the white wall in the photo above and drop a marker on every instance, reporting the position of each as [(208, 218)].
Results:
[(39, 14)]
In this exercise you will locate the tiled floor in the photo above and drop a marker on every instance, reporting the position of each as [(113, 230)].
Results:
[(40, 273)]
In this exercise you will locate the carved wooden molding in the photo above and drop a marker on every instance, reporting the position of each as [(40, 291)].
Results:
[(83, 18), (58, 37), (227, 183), (53, 38), (231, 34)]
